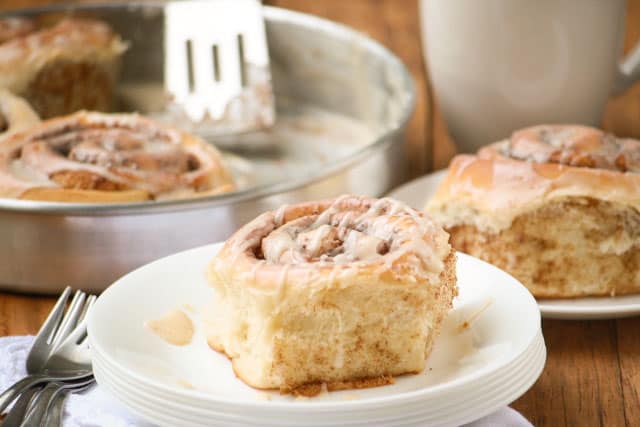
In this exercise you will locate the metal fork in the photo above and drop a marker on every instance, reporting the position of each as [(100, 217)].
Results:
[(56, 329), (71, 354), (28, 409), (217, 64), (55, 407), (43, 405), (19, 410)]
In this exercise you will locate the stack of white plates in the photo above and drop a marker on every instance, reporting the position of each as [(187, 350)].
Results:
[(490, 352)]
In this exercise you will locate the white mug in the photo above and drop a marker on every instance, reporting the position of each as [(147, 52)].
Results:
[(500, 65)]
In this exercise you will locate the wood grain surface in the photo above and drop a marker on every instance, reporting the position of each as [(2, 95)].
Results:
[(592, 376)]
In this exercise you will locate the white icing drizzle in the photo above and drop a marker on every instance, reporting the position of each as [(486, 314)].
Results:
[(348, 234), (279, 216), (573, 145), (345, 220), (325, 216), (23, 172), (278, 244), (317, 237), (124, 149)]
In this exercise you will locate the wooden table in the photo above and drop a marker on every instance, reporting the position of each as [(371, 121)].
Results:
[(592, 376)]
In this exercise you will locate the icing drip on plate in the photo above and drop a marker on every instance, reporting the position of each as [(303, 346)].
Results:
[(174, 327)]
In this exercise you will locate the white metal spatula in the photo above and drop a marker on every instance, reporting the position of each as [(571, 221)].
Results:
[(217, 64)]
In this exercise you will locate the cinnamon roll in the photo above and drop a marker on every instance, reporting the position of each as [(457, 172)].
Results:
[(99, 157), (348, 292), (558, 207), (61, 69)]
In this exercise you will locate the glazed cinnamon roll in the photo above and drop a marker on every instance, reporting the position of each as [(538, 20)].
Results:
[(98, 157), (348, 292), (62, 69), (556, 206)]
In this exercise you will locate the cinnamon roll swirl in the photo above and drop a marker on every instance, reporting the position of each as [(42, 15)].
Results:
[(348, 292), (98, 157), (556, 206), (70, 66)]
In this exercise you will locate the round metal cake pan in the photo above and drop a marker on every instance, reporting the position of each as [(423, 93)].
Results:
[(45, 246)]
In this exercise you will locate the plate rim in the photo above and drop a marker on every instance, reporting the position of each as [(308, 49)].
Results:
[(536, 347), (613, 310), (536, 358)]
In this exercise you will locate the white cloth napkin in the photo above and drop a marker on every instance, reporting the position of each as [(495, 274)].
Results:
[(96, 408)]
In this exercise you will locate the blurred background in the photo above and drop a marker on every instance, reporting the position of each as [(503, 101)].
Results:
[(395, 23)]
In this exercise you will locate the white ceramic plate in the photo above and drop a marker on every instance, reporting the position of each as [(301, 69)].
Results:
[(457, 411), (503, 333), (416, 193), (591, 308)]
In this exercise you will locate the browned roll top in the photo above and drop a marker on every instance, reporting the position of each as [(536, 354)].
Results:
[(569, 145), (536, 165)]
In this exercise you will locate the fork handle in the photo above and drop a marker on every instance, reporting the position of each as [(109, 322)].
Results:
[(54, 414), (17, 413), (12, 392), (37, 413)]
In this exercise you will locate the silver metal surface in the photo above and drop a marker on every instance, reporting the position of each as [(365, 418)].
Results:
[(314, 62), (19, 409), (44, 402), (217, 64), (60, 350)]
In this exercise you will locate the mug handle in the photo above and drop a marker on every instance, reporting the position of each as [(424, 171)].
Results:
[(628, 71)]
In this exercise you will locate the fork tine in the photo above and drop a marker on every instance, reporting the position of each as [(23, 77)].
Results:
[(70, 318), (78, 335), (49, 326), (87, 305), (54, 318), (90, 301)]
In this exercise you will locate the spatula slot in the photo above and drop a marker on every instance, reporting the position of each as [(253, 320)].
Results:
[(190, 66), (242, 59), (216, 62)]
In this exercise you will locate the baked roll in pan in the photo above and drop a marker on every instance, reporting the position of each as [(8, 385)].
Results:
[(99, 158), (70, 66)]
